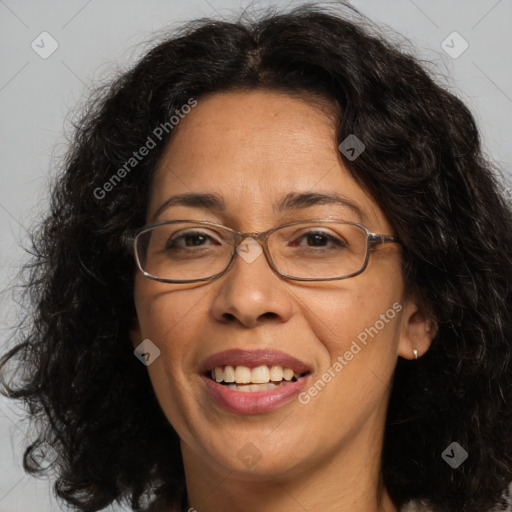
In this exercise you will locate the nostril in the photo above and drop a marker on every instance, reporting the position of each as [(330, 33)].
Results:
[(269, 314)]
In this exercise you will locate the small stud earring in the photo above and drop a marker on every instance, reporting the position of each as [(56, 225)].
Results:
[(415, 353)]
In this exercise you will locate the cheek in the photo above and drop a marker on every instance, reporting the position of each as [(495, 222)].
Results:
[(172, 320), (169, 314), (358, 320), (357, 330)]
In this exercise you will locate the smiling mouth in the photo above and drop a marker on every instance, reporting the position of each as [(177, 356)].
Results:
[(260, 378)]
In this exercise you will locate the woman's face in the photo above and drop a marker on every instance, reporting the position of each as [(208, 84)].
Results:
[(252, 149)]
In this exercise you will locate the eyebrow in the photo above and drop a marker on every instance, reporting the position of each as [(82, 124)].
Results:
[(290, 202)]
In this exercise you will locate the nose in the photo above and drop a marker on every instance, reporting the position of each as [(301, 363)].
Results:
[(250, 292)]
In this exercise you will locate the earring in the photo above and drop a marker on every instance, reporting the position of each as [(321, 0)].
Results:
[(415, 353)]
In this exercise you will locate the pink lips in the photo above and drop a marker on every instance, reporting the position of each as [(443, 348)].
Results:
[(252, 358), (253, 402), (256, 401)]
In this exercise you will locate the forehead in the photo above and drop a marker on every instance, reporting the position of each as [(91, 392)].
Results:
[(254, 148)]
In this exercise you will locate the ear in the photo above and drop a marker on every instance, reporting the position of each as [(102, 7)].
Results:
[(417, 330), (135, 333)]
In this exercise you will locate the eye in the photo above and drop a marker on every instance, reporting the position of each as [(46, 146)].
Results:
[(190, 238), (318, 238)]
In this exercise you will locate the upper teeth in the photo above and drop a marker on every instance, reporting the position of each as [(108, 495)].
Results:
[(260, 374)]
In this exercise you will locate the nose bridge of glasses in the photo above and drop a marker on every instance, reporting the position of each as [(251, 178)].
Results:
[(245, 248), (259, 236)]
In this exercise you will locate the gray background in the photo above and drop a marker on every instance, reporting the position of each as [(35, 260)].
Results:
[(96, 38)]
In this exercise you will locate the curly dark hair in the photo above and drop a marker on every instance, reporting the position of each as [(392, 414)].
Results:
[(72, 361)]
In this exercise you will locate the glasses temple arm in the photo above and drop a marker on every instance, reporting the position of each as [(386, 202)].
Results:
[(374, 239)]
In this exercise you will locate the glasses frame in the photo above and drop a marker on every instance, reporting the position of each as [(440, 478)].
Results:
[(130, 237)]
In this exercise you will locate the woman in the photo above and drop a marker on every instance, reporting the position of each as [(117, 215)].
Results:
[(275, 276)]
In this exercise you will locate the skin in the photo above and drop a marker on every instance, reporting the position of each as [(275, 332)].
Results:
[(253, 148)]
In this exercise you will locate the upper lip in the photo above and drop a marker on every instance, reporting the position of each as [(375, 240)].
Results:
[(253, 358)]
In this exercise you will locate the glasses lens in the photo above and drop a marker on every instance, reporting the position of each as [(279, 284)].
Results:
[(184, 251), (319, 250)]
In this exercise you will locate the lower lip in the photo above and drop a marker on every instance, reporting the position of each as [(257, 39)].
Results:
[(254, 402)]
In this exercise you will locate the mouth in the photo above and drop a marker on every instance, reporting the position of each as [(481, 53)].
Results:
[(250, 380)]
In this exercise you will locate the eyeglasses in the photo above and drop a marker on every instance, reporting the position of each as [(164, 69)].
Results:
[(185, 251)]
